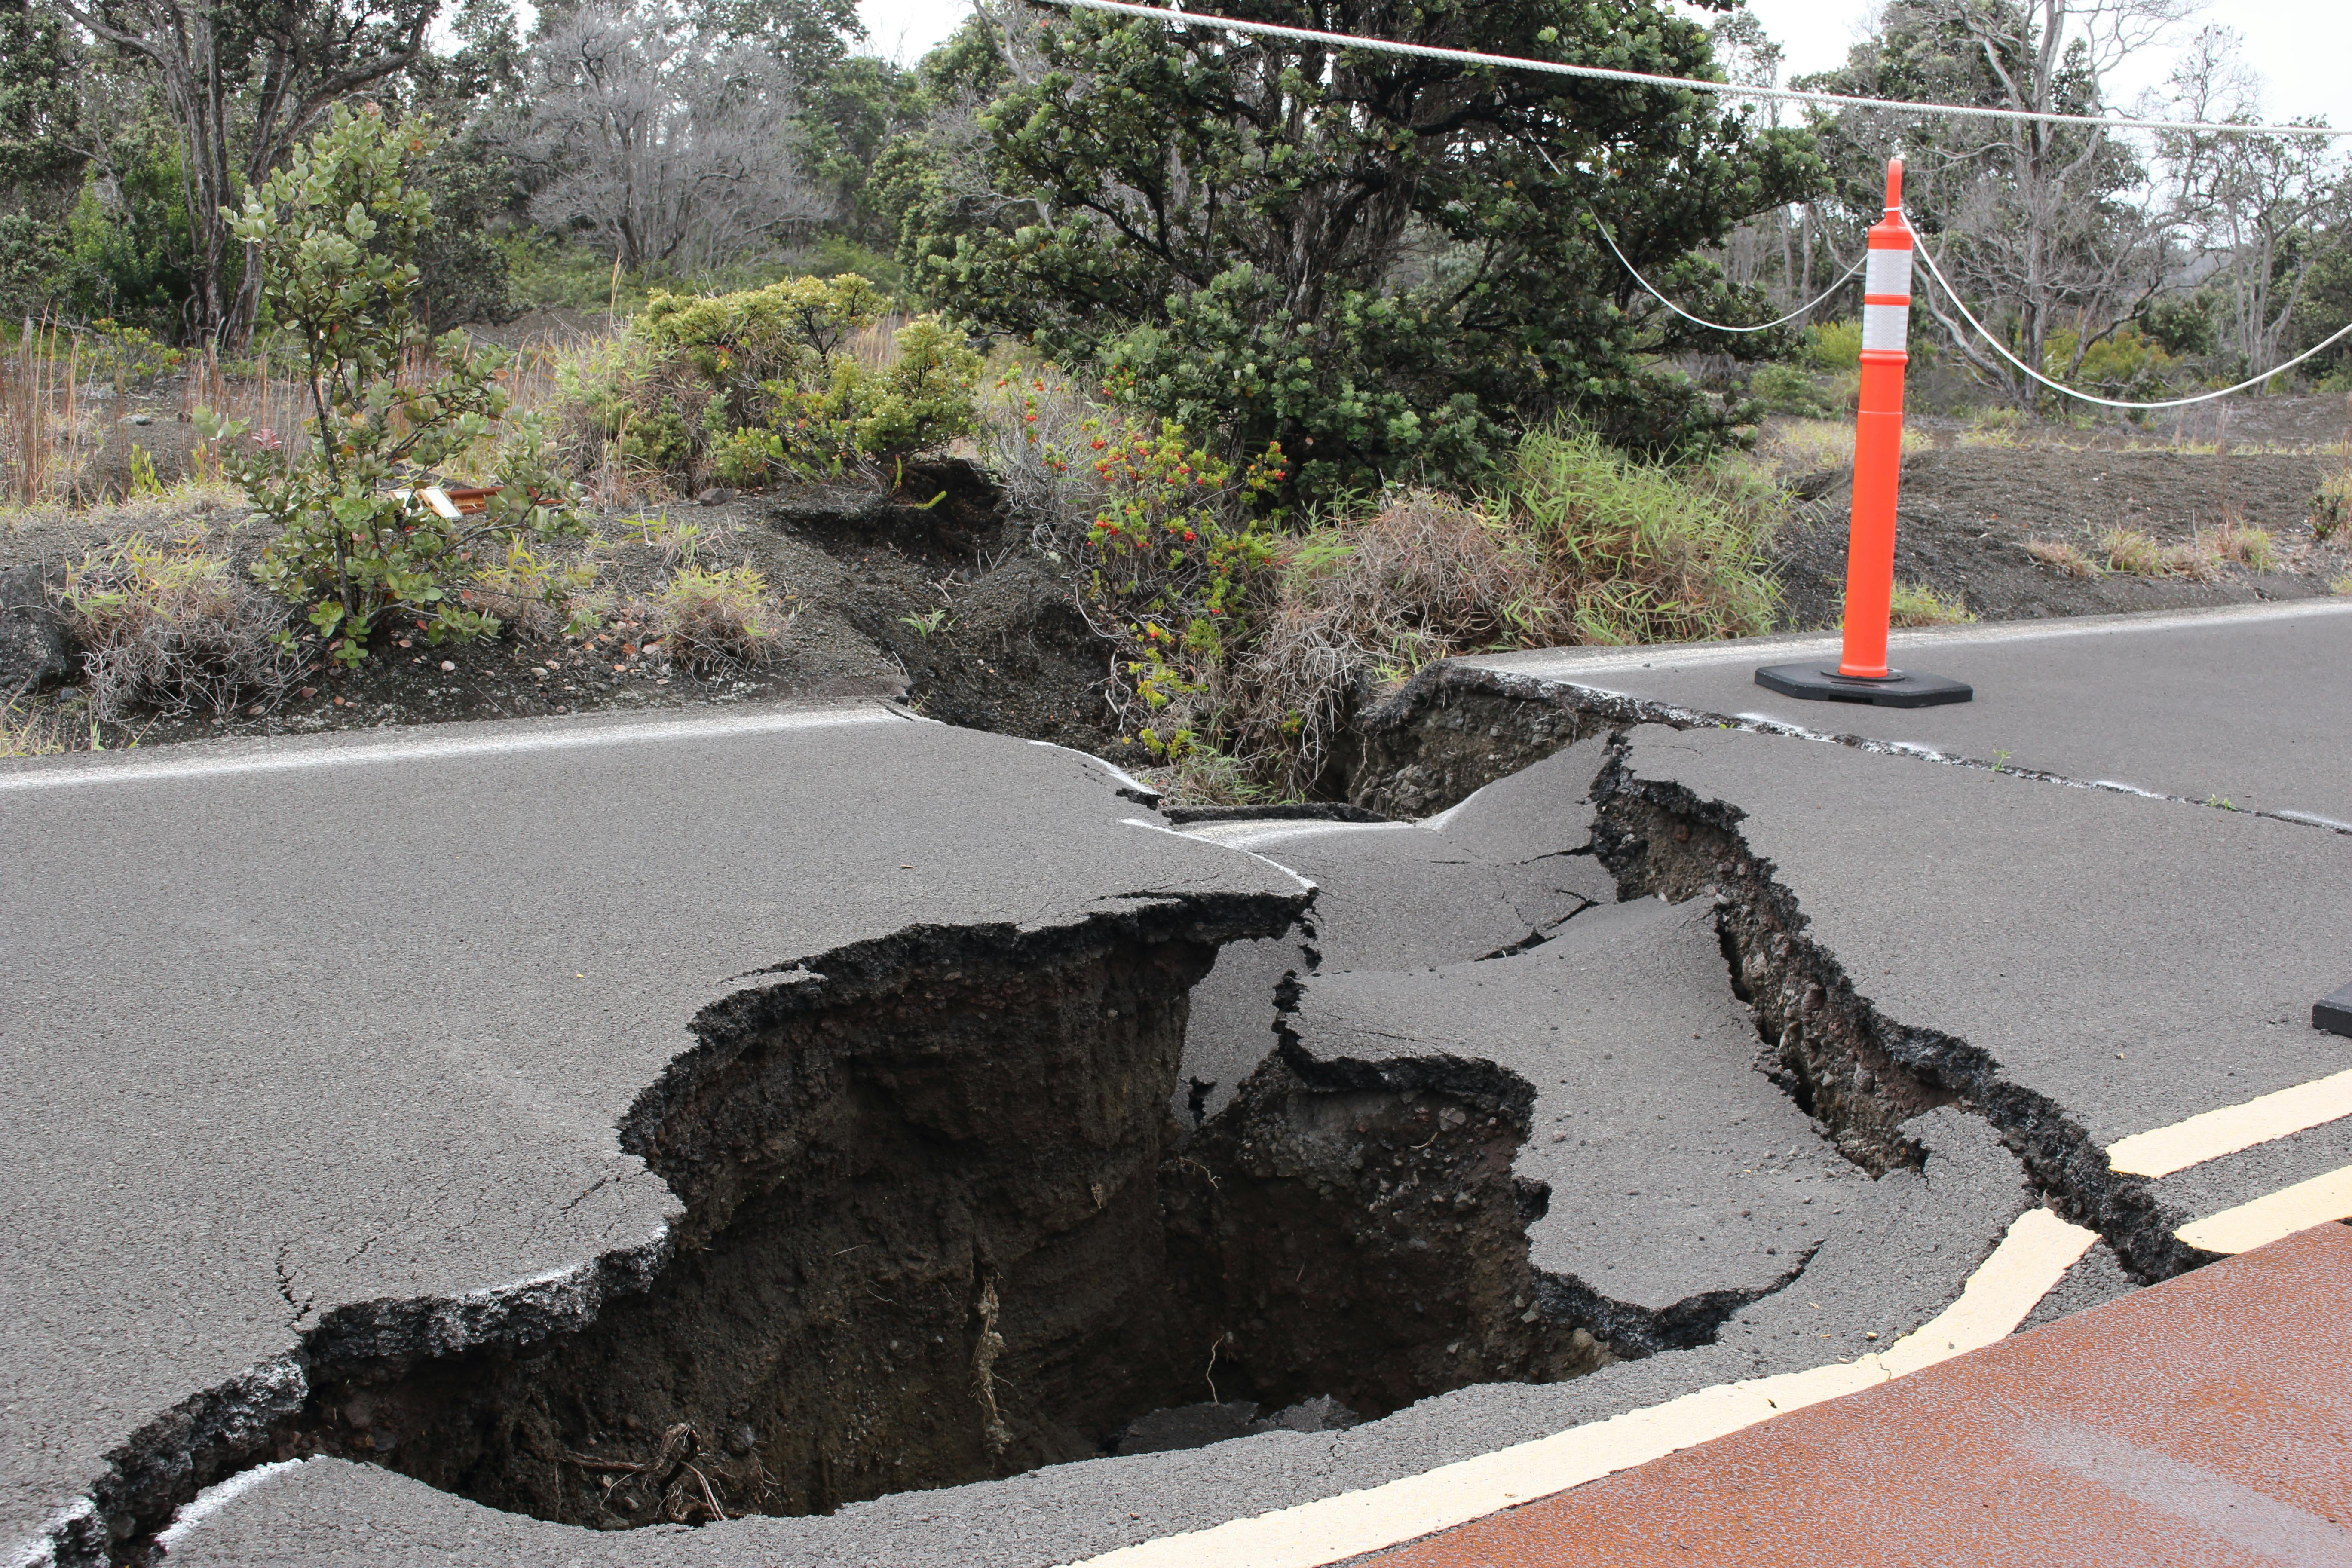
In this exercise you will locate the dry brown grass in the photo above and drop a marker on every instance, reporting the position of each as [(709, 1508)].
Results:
[(2129, 551), (2252, 548), (710, 617), (175, 629), (2065, 556), (1370, 602)]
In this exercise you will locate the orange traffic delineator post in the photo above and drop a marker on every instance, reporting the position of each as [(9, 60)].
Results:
[(1861, 674)]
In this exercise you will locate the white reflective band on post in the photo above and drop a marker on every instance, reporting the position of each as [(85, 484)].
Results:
[(1886, 327), (1889, 273)]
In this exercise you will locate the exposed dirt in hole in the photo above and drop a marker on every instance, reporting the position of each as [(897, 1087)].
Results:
[(1357, 1232), (941, 1227)]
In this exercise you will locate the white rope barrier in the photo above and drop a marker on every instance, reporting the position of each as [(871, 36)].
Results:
[(1717, 326), (1998, 347), (1690, 84)]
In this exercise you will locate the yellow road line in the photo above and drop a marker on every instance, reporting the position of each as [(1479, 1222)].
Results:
[(2282, 1214), (2039, 1249), (2164, 1150)]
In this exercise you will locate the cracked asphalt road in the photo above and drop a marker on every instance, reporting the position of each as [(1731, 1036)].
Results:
[(205, 1099), (2250, 705), (291, 1027)]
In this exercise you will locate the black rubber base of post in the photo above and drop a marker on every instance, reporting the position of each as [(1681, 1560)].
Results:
[(2335, 1013), (1901, 689)]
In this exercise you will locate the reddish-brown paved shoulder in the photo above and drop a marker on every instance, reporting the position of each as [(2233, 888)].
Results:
[(2205, 1421)]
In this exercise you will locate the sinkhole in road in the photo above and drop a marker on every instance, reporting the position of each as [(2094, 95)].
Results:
[(940, 1227)]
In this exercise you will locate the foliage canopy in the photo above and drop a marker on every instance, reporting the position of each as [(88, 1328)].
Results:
[(1388, 265)]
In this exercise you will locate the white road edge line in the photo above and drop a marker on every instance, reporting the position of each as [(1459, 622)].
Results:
[(2032, 1258), (214, 1498), (2161, 1151), (2268, 1219), (134, 769), (1569, 662)]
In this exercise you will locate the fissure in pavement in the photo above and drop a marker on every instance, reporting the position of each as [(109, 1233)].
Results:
[(1858, 1071)]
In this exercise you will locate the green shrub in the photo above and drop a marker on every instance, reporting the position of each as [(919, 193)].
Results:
[(1785, 389), (128, 356), (1166, 572), (334, 231), (2125, 363), (1834, 346), (752, 385)]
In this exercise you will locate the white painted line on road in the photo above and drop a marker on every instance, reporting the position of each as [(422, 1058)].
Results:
[(2267, 1219), (357, 751), (1572, 661), (214, 1498), (1179, 833), (2032, 1258), (2161, 1151), (1241, 834)]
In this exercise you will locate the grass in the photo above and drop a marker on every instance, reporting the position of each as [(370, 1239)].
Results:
[(173, 628), (2331, 504), (1917, 605), (709, 616), (1638, 553), (1578, 545), (2136, 554), (1811, 445), (2065, 556), (2252, 548)]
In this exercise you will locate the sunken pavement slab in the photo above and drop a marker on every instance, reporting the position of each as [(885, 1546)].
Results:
[(1500, 872), (1678, 1182)]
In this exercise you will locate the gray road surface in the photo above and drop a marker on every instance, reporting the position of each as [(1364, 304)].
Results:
[(289, 1027), (2250, 705)]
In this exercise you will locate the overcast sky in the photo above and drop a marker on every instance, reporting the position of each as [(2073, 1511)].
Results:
[(2303, 49)]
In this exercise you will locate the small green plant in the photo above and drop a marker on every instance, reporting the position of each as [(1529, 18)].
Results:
[(2001, 762), (533, 592), (1917, 605), (2065, 556), (2221, 801), (924, 625), (2331, 505), (144, 479), (2252, 548), (334, 232), (709, 617)]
